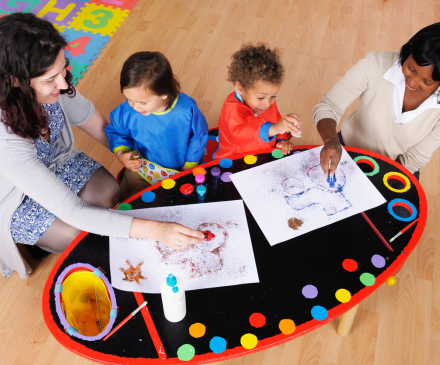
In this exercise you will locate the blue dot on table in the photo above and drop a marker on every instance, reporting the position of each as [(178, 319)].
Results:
[(217, 344), (319, 313), (226, 163), (148, 197)]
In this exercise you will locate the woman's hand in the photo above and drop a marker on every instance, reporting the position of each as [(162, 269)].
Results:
[(289, 123), (125, 159), (285, 146), (173, 235), (332, 150)]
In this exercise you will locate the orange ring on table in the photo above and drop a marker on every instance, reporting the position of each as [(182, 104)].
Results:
[(398, 176)]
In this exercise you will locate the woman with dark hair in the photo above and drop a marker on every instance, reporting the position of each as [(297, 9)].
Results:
[(399, 110), (49, 191)]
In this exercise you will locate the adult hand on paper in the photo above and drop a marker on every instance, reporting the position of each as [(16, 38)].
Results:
[(168, 233), (125, 159), (330, 156), (289, 123), (285, 146)]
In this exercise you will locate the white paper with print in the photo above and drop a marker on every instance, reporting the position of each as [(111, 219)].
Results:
[(290, 196), (228, 259)]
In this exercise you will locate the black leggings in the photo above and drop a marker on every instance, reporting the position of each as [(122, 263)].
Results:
[(101, 190)]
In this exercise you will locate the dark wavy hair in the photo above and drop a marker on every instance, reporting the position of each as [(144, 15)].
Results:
[(153, 71), (256, 62), (424, 47), (29, 46)]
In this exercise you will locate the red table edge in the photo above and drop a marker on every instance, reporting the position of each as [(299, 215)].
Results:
[(266, 343)]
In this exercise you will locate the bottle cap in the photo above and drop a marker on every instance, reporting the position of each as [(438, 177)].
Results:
[(200, 178), (201, 190), (171, 280), (135, 155), (215, 171), (175, 289)]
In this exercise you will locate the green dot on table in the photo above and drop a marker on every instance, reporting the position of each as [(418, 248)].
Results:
[(367, 279), (277, 153), (186, 352), (124, 206)]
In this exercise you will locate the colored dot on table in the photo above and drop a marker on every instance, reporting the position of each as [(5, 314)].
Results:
[(367, 279), (310, 291), (277, 153), (250, 159), (124, 206), (296, 152), (148, 197), (350, 265), (249, 341), (226, 177), (197, 330), (391, 281), (199, 170), (225, 163), (168, 183), (217, 344), (186, 189), (287, 326), (257, 320), (343, 295), (378, 261), (319, 313), (186, 352)]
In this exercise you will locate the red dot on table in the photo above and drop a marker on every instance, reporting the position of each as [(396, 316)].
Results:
[(186, 189), (350, 265), (257, 320)]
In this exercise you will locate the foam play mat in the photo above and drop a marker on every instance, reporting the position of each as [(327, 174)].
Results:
[(86, 25)]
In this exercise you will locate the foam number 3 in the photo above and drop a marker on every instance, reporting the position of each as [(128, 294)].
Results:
[(78, 46), (102, 16)]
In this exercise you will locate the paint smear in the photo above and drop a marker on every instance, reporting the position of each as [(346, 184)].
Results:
[(343, 295), (350, 265), (197, 330), (250, 159), (124, 206), (226, 177), (186, 352), (277, 153), (225, 163), (287, 326), (148, 197), (257, 320), (378, 261), (217, 344), (319, 313), (249, 341), (367, 279), (310, 291), (168, 183)]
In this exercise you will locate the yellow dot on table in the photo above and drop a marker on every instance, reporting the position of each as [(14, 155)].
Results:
[(197, 330), (343, 295), (250, 159), (199, 170), (168, 183), (391, 281), (287, 326), (249, 341)]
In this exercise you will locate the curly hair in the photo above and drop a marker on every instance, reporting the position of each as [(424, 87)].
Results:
[(29, 46), (153, 71), (256, 62)]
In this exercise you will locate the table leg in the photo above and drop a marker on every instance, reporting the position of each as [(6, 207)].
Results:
[(346, 321)]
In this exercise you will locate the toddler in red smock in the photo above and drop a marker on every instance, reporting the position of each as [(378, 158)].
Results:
[(249, 119)]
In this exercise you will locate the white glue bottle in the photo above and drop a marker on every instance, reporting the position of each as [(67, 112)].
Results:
[(173, 298)]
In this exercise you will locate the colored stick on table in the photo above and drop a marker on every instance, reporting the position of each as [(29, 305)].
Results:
[(151, 327), (403, 230), (377, 232), (130, 316)]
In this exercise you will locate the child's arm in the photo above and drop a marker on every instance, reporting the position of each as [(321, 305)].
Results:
[(198, 140), (283, 139)]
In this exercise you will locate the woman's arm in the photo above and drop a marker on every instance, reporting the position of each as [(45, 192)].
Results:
[(332, 150), (95, 127)]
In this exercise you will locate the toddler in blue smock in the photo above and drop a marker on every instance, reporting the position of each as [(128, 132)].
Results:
[(163, 124)]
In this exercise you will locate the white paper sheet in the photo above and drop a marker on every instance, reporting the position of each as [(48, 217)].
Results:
[(295, 186), (228, 259)]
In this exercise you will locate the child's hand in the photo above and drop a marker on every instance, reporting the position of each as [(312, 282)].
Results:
[(125, 159), (285, 146), (289, 123)]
